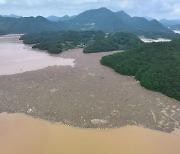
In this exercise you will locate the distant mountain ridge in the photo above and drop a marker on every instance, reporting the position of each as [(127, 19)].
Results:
[(56, 19), (169, 23), (176, 27), (108, 21), (53, 18), (149, 18), (25, 25), (98, 19), (95, 19), (11, 16)]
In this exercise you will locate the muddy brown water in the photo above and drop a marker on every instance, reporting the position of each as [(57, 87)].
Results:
[(87, 95), (20, 134), (15, 57)]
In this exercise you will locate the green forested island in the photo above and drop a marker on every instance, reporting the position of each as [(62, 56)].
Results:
[(155, 65), (91, 41), (56, 42)]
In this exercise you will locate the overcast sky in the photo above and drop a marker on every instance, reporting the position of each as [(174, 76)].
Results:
[(152, 8)]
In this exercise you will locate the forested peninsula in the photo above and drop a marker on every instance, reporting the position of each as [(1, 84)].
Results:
[(155, 65)]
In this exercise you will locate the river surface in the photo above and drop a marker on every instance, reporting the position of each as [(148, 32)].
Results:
[(20, 134), (15, 57), (87, 95), (81, 93)]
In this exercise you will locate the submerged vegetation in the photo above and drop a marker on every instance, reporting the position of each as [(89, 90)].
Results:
[(91, 41), (155, 65)]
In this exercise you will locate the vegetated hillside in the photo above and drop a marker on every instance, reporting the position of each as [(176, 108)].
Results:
[(31, 24), (108, 21), (142, 26), (96, 19), (56, 42), (155, 65), (112, 42), (26, 25), (91, 41), (5, 24), (99, 19)]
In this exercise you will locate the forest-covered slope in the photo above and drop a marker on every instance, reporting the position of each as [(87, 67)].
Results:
[(155, 65), (91, 41), (95, 19), (112, 42)]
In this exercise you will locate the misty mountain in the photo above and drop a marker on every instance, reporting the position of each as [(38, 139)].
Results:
[(11, 16), (169, 23), (148, 18), (66, 18), (56, 19), (108, 21), (175, 27), (95, 19), (123, 15), (53, 18), (98, 19), (141, 25), (26, 25)]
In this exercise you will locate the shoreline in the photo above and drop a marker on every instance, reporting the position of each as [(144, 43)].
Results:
[(99, 97), (176, 132)]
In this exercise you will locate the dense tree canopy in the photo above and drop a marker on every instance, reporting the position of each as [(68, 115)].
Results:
[(56, 42), (112, 42), (155, 65), (92, 41)]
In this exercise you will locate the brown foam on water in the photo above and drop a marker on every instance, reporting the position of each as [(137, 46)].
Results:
[(20, 134)]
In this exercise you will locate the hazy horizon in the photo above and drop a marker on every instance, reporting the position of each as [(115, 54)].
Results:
[(158, 9)]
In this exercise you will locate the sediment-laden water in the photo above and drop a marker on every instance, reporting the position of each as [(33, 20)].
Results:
[(20, 134), (15, 57), (87, 95)]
